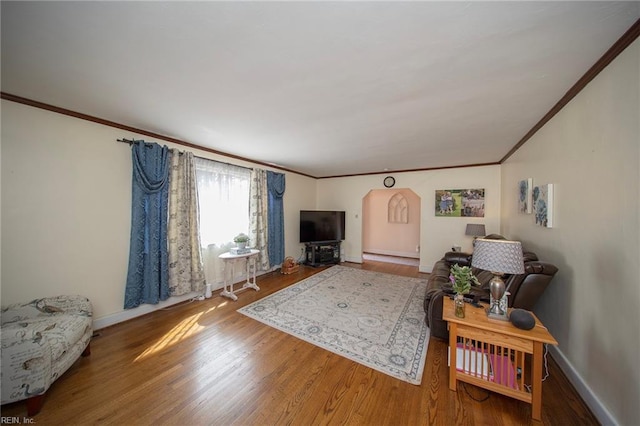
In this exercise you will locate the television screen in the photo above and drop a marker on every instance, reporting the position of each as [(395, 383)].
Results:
[(321, 225)]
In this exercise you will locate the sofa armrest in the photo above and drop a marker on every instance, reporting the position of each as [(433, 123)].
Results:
[(528, 287), (433, 308), (538, 267)]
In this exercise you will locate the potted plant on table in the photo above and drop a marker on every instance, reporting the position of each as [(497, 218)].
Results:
[(461, 279), (241, 240)]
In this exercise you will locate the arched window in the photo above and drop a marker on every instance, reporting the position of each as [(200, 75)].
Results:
[(398, 209)]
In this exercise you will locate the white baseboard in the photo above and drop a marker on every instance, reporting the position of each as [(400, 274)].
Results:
[(128, 314), (412, 255), (603, 415)]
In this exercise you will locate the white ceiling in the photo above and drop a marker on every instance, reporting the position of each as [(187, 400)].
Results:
[(323, 88)]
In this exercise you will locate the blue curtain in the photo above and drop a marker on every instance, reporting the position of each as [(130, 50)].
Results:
[(147, 278), (276, 186)]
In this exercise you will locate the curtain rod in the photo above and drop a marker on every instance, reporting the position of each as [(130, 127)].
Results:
[(131, 141)]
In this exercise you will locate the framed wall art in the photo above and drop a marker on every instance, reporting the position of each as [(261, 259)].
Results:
[(543, 205), (459, 203), (525, 196)]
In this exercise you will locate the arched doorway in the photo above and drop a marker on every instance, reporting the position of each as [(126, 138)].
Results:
[(391, 226)]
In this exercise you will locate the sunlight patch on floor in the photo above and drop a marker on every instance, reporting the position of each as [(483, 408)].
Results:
[(186, 328)]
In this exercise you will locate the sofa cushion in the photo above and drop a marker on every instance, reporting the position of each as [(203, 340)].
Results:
[(60, 332)]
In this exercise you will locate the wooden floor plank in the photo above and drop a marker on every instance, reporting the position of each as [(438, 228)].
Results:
[(205, 363)]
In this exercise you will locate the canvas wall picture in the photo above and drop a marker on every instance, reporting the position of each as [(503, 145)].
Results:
[(543, 205), (459, 203), (525, 196)]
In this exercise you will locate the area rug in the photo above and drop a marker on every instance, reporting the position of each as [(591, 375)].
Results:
[(372, 318)]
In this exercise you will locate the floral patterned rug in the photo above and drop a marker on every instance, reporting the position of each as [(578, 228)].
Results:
[(369, 317)]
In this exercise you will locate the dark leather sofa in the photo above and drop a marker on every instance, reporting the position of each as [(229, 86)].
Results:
[(525, 289)]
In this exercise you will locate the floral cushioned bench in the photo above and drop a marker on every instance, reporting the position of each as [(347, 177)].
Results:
[(40, 341)]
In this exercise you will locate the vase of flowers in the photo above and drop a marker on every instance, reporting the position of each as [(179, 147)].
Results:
[(461, 279), (241, 240)]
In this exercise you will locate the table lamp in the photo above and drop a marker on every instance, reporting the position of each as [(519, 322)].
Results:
[(499, 257), (475, 230)]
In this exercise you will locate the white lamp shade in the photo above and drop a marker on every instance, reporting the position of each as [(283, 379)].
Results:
[(501, 256)]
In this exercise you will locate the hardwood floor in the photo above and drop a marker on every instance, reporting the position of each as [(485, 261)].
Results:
[(204, 363)]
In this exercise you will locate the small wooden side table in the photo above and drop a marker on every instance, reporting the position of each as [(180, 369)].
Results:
[(490, 354), (231, 259)]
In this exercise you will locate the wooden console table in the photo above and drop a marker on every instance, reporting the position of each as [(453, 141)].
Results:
[(490, 354), (231, 259)]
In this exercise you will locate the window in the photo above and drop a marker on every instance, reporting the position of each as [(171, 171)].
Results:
[(223, 197), (398, 209)]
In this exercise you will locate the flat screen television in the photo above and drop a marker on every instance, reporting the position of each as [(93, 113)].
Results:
[(321, 225)]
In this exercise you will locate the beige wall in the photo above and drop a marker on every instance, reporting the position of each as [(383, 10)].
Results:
[(66, 206), (382, 236), (437, 234), (590, 152)]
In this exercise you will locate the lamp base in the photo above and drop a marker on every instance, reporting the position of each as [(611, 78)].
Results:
[(498, 308)]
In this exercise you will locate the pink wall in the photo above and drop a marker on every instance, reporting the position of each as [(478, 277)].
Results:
[(383, 237)]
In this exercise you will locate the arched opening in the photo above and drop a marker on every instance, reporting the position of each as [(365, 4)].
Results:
[(391, 226)]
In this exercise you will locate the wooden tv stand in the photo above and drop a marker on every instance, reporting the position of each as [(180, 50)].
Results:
[(322, 253)]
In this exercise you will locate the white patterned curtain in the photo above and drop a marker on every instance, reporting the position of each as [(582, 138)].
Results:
[(258, 211), (214, 266), (223, 191), (186, 272)]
